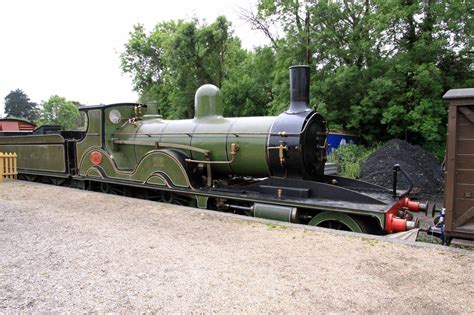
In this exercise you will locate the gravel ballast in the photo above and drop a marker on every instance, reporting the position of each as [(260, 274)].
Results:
[(63, 249)]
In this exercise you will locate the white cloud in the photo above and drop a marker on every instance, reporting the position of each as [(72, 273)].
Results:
[(71, 48)]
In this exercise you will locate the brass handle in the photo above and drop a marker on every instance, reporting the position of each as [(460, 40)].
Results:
[(281, 152)]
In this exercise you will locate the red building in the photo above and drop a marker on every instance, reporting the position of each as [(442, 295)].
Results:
[(15, 125)]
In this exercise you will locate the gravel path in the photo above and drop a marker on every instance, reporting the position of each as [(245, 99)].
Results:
[(69, 250)]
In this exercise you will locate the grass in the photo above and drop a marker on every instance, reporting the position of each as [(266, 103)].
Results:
[(425, 238), (369, 241), (349, 158), (257, 223), (275, 226)]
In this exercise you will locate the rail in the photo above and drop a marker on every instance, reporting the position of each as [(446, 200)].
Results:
[(8, 166)]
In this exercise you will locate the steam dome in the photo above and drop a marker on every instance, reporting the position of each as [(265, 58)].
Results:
[(208, 102)]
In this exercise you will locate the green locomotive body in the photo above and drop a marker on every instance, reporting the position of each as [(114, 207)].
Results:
[(268, 167)]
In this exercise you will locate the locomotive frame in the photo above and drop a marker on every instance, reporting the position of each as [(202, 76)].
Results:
[(267, 167)]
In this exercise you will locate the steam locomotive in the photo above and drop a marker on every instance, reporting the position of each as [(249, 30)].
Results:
[(267, 167)]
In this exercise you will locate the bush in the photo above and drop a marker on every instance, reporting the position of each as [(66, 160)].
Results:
[(349, 158)]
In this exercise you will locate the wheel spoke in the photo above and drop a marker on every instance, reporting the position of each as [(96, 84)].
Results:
[(338, 221)]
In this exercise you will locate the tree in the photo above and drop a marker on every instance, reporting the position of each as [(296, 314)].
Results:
[(248, 87), (58, 111), (170, 63), (381, 66), (17, 104)]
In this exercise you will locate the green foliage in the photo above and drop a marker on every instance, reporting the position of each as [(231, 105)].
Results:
[(18, 105), (436, 149), (170, 63), (58, 111), (379, 68), (382, 66), (349, 158), (247, 89)]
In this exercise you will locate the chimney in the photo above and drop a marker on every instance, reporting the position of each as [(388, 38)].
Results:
[(299, 90)]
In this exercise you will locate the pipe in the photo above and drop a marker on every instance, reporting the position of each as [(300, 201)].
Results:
[(397, 168), (237, 207), (299, 89)]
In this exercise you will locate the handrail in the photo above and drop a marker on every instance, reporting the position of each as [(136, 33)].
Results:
[(397, 168)]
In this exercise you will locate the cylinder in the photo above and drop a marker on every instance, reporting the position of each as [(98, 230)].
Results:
[(299, 89), (273, 212)]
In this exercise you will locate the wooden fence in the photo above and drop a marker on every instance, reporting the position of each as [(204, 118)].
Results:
[(8, 166)]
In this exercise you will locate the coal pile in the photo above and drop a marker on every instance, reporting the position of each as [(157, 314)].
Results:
[(422, 167)]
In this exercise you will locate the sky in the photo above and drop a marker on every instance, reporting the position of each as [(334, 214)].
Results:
[(71, 48)]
